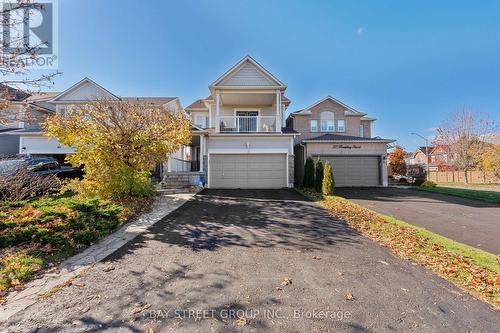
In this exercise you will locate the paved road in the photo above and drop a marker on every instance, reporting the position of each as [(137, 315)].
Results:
[(226, 254), (467, 221)]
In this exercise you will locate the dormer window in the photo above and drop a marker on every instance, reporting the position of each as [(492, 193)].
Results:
[(327, 121)]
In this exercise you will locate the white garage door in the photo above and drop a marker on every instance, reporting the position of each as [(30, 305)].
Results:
[(355, 170), (247, 170)]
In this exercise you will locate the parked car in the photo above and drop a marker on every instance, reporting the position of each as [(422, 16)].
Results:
[(401, 178), (39, 166)]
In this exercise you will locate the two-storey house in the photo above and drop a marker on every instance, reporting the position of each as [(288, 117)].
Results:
[(244, 142), (30, 138), (333, 131)]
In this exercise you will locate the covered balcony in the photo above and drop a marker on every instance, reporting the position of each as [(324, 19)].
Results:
[(248, 111), (247, 124)]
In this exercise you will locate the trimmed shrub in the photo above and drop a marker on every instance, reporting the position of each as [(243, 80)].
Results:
[(309, 173), (328, 181), (428, 183), (318, 180)]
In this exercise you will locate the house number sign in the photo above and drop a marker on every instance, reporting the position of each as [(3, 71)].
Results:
[(347, 146)]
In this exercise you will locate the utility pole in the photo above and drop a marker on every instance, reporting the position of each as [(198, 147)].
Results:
[(426, 153)]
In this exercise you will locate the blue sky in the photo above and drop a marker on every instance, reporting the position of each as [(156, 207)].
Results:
[(407, 63)]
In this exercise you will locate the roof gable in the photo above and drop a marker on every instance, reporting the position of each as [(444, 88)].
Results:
[(84, 90), (248, 72), (348, 112)]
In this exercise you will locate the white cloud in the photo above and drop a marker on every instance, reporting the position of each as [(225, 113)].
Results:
[(360, 31)]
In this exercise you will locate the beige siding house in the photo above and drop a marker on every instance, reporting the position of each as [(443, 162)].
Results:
[(332, 131), (243, 141), (30, 136)]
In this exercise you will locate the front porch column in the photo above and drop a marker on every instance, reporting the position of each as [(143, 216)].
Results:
[(278, 103), (217, 111), (202, 151)]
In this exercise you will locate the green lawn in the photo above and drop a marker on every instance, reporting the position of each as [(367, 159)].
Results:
[(37, 232), (489, 196)]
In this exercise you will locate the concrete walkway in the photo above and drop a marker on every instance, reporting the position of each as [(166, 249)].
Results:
[(77, 264)]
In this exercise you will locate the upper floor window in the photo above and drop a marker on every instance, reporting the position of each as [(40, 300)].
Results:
[(327, 121), (314, 125), (201, 121), (341, 125), (361, 131)]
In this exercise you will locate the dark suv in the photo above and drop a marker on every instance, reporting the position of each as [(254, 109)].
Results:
[(40, 166)]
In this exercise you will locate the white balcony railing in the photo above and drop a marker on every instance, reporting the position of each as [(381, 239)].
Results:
[(247, 124)]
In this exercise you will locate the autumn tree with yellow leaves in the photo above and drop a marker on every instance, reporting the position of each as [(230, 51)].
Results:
[(118, 144)]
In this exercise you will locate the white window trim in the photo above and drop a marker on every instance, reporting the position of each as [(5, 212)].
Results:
[(196, 116), (338, 126), (258, 110), (326, 127), (310, 125)]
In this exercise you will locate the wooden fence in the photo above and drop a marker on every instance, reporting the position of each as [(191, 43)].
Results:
[(475, 177)]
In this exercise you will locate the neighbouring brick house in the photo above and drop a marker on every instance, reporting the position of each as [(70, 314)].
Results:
[(333, 131), (439, 158)]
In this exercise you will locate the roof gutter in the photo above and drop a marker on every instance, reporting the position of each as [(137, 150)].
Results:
[(351, 141)]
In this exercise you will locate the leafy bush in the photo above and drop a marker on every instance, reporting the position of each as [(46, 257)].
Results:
[(118, 144), (328, 181), (309, 173), (318, 180), (428, 183)]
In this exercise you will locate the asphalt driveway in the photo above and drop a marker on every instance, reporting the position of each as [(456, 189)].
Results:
[(255, 261), (467, 221)]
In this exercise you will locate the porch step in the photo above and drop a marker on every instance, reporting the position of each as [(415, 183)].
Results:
[(166, 191), (175, 180)]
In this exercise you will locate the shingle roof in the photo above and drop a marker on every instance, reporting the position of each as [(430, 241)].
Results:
[(198, 104), (338, 137), (42, 96), (12, 94), (151, 100)]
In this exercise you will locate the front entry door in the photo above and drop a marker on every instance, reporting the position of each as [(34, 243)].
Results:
[(247, 121)]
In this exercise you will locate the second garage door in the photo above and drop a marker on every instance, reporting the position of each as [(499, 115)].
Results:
[(355, 170), (247, 170)]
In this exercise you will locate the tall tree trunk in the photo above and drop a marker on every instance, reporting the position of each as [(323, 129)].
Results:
[(466, 179)]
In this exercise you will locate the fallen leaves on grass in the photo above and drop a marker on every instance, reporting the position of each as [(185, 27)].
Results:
[(15, 267), (408, 244)]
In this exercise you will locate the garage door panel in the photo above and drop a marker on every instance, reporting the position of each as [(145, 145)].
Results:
[(354, 170), (247, 170)]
